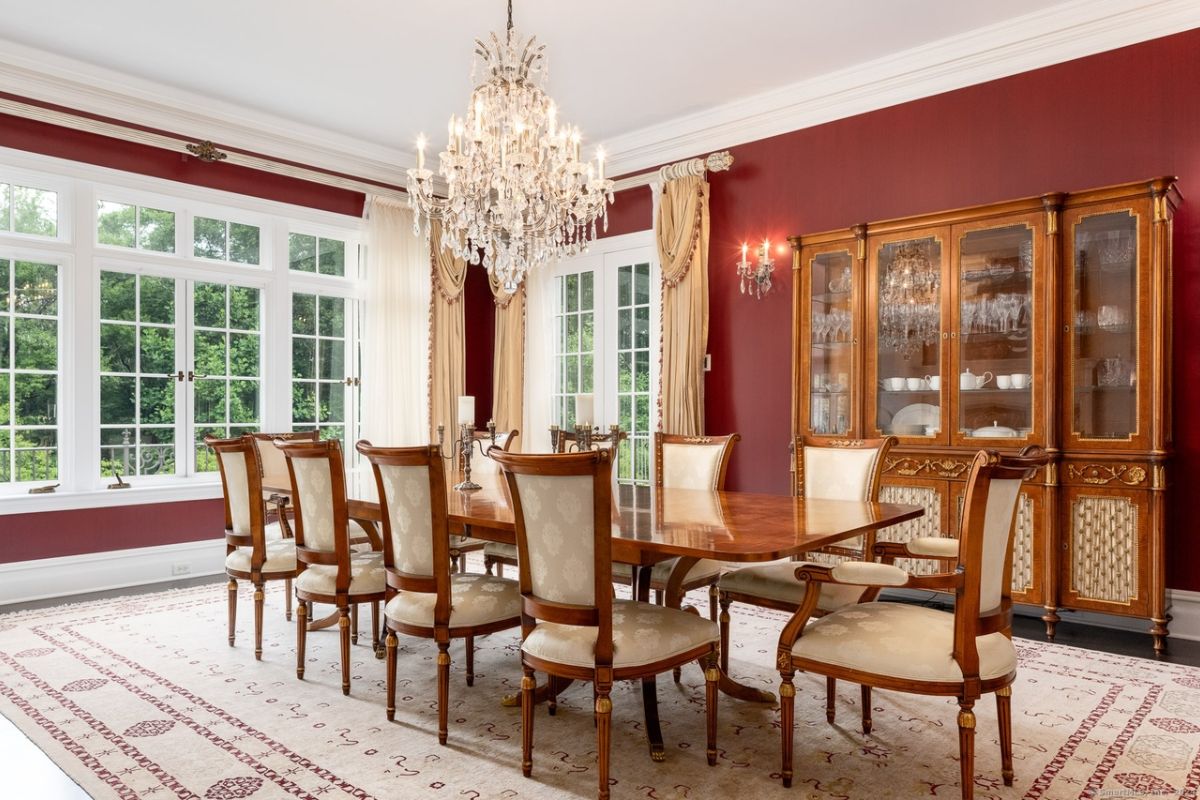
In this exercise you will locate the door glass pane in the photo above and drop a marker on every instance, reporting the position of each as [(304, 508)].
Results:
[(574, 348), (137, 390), (29, 344), (831, 350), (319, 370), (227, 365), (909, 330), (995, 291), (633, 372), (1104, 325)]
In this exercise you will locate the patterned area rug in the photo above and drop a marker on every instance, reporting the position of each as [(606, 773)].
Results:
[(141, 697)]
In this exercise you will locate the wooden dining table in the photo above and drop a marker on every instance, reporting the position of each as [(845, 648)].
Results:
[(657, 524)]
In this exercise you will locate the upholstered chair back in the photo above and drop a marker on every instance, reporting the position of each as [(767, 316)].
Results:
[(237, 461), (411, 486), (273, 464), (841, 469), (563, 518), (318, 483), (986, 535), (692, 462)]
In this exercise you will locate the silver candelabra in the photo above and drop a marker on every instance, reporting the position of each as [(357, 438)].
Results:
[(464, 448)]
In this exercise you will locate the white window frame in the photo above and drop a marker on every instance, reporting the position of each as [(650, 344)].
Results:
[(81, 259)]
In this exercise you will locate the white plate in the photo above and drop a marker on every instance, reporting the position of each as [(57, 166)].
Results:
[(918, 414)]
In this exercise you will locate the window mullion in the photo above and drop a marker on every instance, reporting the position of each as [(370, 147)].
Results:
[(185, 390)]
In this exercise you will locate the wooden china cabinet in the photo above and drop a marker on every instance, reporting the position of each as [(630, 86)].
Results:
[(1037, 321)]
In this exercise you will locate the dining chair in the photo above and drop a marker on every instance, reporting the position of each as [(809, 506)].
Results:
[(423, 598), (254, 550), (330, 571), (838, 469), (963, 653), (687, 462), (571, 627)]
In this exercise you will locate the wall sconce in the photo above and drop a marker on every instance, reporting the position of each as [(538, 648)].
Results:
[(758, 276)]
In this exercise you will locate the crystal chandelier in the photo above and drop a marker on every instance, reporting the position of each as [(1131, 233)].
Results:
[(909, 312), (517, 194)]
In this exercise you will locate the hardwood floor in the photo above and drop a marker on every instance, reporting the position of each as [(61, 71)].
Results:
[(29, 773)]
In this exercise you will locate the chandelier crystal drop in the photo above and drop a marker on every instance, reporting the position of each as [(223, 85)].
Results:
[(517, 194), (909, 312)]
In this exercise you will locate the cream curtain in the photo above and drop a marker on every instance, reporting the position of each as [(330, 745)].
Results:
[(539, 360), (396, 340), (508, 362), (681, 232), (447, 371)]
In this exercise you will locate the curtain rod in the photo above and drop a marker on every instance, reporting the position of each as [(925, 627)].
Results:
[(713, 162)]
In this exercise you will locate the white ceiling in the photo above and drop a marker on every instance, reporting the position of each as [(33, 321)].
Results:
[(378, 72)]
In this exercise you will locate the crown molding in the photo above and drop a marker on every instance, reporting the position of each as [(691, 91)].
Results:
[(50, 78), (1063, 32)]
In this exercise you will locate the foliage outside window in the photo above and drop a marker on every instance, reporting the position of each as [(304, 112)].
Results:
[(227, 342), (633, 371), (574, 353), (226, 241), (29, 331), (25, 209), (316, 254), (123, 225), (319, 365)]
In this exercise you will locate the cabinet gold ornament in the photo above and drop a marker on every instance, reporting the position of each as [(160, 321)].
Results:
[(911, 467), (1104, 474)]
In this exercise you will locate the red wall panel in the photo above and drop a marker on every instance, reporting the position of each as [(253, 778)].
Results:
[(480, 332)]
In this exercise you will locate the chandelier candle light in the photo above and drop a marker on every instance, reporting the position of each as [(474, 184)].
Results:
[(758, 276), (517, 194)]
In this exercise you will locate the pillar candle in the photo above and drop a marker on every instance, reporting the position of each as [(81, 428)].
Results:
[(466, 410), (584, 409)]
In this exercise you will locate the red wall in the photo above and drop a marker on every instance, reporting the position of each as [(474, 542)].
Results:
[(1119, 116), (480, 333)]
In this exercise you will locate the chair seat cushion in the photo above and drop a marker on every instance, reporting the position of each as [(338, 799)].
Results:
[(642, 633), (273, 531), (661, 572), (899, 641), (777, 581), (465, 544), (500, 550), (281, 557), (366, 575), (474, 600)]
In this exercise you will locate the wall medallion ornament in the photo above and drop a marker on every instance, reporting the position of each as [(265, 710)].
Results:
[(207, 152)]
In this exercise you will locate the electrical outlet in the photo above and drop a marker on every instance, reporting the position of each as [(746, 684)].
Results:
[(181, 569), (708, 362)]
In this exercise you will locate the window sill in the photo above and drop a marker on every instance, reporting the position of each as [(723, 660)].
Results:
[(108, 498)]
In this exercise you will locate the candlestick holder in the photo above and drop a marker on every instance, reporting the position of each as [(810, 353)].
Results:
[(464, 448), (586, 437)]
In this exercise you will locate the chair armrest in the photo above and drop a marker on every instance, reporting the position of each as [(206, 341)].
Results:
[(936, 548), (870, 573)]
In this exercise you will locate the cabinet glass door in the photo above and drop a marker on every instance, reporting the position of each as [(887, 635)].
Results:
[(995, 358), (908, 333), (1104, 311), (832, 335)]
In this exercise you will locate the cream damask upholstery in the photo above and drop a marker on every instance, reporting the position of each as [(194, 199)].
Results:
[(661, 572), (237, 489), (366, 575), (997, 530), (559, 524), (501, 550), (834, 473), (642, 634), (281, 557), (900, 641), (315, 489), (406, 493), (475, 600), (934, 546), (691, 466), (777, 581)]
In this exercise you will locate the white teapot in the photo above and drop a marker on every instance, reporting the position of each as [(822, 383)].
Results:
[(969, 380)]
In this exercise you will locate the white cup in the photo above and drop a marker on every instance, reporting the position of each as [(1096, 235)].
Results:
[(1003, 382), (1019, 381), (934, 382), (893, 384), (914, 384)]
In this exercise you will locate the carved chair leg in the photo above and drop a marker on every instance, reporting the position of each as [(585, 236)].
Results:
[(287, 599), (354, 624), (866, 709), (258, 620), (527, 686), (830, 699), (603, 736), (677, 674), (232, 587), (376, 644), (552, 689), (443, 689), (966, 747), (301, 636), (470, 642), (724, 623), (1004, 716), (344, 630), (712, 602), (712, 677), (787, 715), (390, 665)]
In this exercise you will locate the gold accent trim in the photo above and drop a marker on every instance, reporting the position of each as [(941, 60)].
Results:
[(910, 467), (783, 660), (528, 683), (1158, 476), (206, 151), (603, 705), (712, 674), (787, 690), (1103, 474), (1004, 691), (966, 719), (443, 660)]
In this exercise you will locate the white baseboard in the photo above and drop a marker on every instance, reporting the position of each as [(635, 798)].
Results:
[(1183, 607), (23, 581)]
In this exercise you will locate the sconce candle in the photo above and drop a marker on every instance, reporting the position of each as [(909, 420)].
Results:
[(466, 410), (758, 276)]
